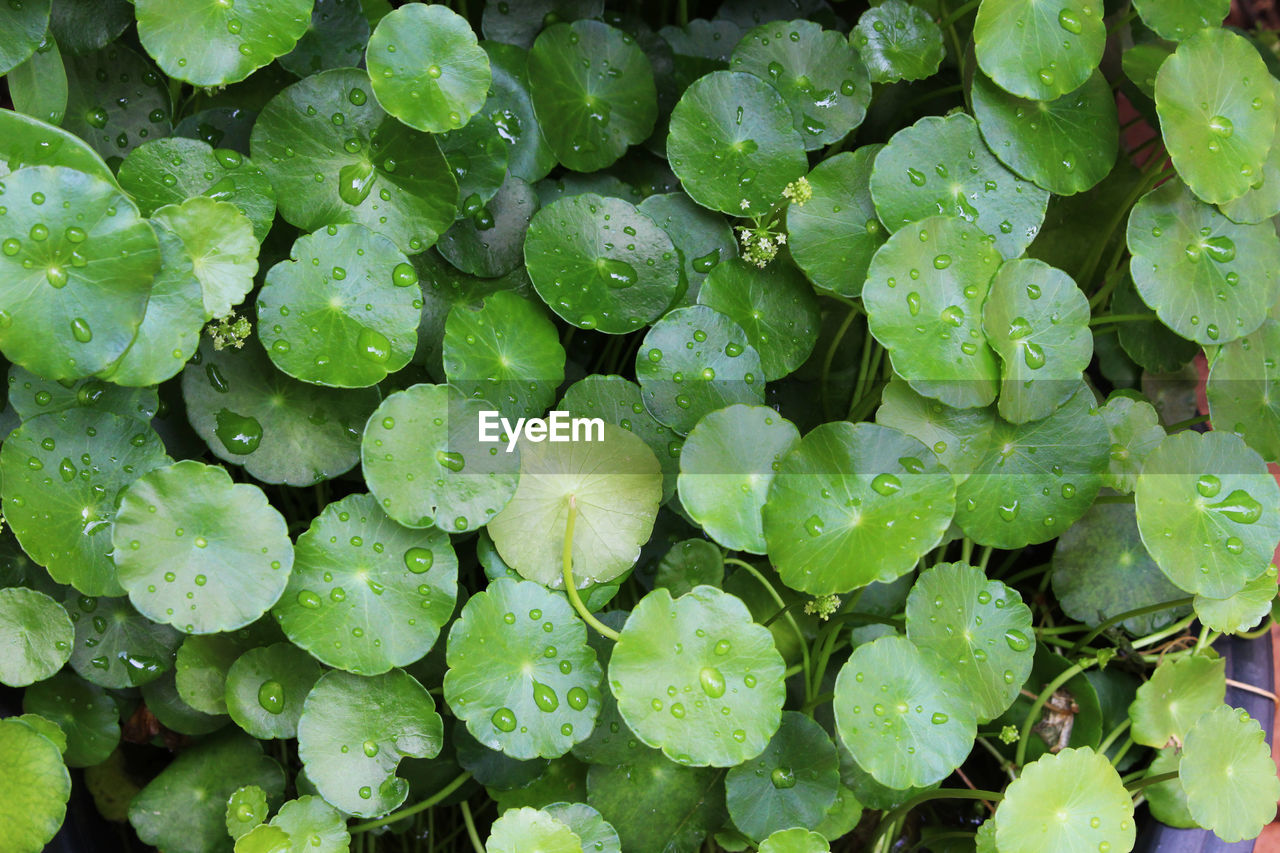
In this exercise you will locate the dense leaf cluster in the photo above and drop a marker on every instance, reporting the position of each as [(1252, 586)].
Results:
[(881, 327)]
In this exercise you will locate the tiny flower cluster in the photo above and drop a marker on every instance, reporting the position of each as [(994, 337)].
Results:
[(760, 244), (229, 331), (824, 606)]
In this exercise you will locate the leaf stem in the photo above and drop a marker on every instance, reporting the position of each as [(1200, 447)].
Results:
[(957, 14), (569, 588), (1024, 739), (854, 311), (1113, 735), (1187, 424), (1129, 614), (1139, 784), (430, 801), (786, 614), (1104, 319), (936, 794), (471, 828)]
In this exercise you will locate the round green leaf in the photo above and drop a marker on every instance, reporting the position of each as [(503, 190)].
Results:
[(374, 171), (264, 839), (505, 351), (246, 810), (170, 330), (1208, 511), (693, 361), (38, 87), (726, 466), (1208, 278), (615, 483), (1035, 480), (425, 464), (1262, 200), (343, 310), (75, 269), (1101, 569), (617, 401), (595, 833), (62, 475), (942, 166), (115, 98), (426, 68), (1168, 801), (593, 93), (1178, 19), (1216, 103), (1242, 611), (980, 626), (310, 817), (1244, 389), (26, 141), (1037, 321), (852, 504), (1151, 345), (213, 43), (891, 692), (1066, 145), (959, 438), (693, 562), (30, 395), (601, 264), (1228, 775), (1135, 431), (336, 38), (281, 430), (654, 803), (795, 840), (223, 250), (490, 242), (1180, 691), (527, 830), (116, 646), (520, 671), (184, 808), (933, 330), (266, 687), (200, 670), (37, 636), (510, 108), (817, 72), (350, 754), (775, 307), (34, 788), (833, 236), (170, 171), (703, 237), (84, 712), (792, 783), (898, 41), (733, 143), (198, 552), (697, 678), (1069, 802), (162, 699), (366, 594), (1039, 50), (24, 26)]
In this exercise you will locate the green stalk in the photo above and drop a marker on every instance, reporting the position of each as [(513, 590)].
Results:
[(569, 588), (1129, 614), (1020, 756), (415, 808)]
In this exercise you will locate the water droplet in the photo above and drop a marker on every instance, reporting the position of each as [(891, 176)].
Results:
[(813, 525), (783, 778), (886, 484), (373, 345), (80, 330), (1017, 640), (404, 275), (1234, 545), (1220, 249), (938, 719), (616, 274), (712, 681), (544, 697), (1009, 511), (271, 697), (418, 560), (1068, 20), (370, 748), (953, 315), (916, 177), (239, 434), (504, 720), (941, 262), (913, 303), (705, 263), (1208, 486), (576, 697), (355, 180), (1221, 126), (308, 599), (1240, 507), (1033, 355), (450, 459)]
